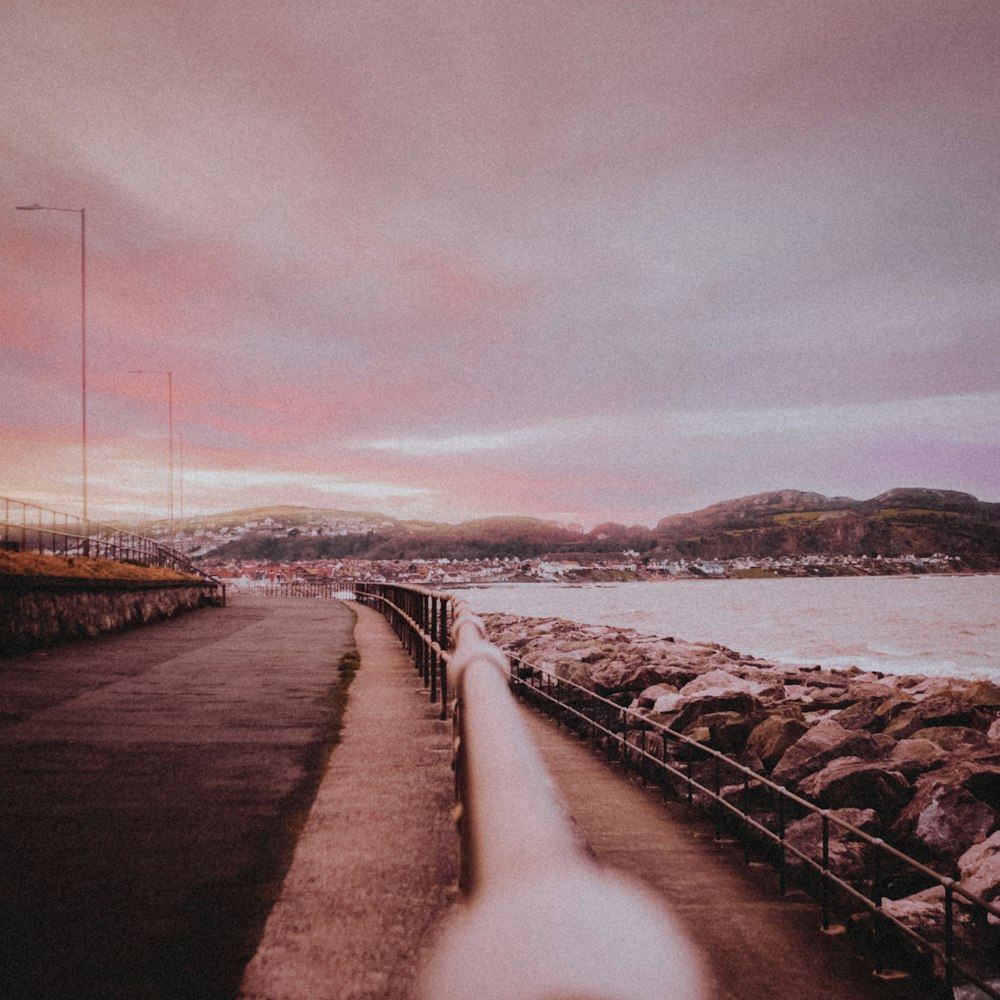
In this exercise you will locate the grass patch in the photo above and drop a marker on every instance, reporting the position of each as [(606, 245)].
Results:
[(82, 567), (797, 517), (350, 661), (904, 512)]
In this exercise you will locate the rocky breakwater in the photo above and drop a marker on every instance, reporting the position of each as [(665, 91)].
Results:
[(914, 760)]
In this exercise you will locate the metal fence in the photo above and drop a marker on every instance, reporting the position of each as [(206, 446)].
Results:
[(28, 527), (849, 871), (541, 920), (332, 590)]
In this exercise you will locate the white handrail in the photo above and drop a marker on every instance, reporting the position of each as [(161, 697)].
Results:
[(541, 920)]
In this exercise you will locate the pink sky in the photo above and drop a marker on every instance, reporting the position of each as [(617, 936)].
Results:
[(585, 260)]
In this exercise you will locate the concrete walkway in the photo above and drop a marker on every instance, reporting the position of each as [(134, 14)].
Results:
[(758, 945), (375, 869), (152, 784)]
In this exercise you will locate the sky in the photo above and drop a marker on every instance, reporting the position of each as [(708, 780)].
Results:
[(580, 260)]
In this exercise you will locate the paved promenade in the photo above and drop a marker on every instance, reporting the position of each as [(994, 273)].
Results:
[(375, 869), (189, 811), (152, 785), (757, 945)]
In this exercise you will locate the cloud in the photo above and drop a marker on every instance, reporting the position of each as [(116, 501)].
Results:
[(532, 258)]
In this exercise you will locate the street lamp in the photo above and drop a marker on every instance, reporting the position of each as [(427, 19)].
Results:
[(82, 212), (170, 432)]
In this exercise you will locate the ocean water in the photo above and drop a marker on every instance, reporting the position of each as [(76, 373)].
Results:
[(935, 625)]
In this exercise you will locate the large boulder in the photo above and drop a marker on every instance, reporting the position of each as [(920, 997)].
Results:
[(771, 738), (860, 784), (937, 710), (720, 682), (950, 738), (849, 855), (954, 808), (913, 757), (871, 687), (863, 714), (981, 692), (727, 731), (620, 676), (647, 698), (694, 707), (979, 869), (923, 913), (826, 741)]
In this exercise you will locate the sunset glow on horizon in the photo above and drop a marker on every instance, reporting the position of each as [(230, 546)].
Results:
[(585, 261)]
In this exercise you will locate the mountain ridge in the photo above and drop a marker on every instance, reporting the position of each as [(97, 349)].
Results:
[(789, 523), (901, 521)]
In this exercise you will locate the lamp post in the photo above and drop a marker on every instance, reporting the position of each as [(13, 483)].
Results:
[(82, 212), (170, 432)]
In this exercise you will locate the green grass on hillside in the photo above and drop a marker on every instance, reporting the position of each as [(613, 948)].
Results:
[(35, 564)]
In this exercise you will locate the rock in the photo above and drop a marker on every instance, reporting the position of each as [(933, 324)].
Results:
[(923, 913), (619, 676), (787, 710), (913, 757), (797, 692), (951, 738), (860, 784), (695, 707), (863, 714), (945, 818), (993, 734), (728, 731), (647, 699), (567, 670), (825, 742), (968, 991), (849, 856), (982, 693), (979, 869), (828, 697), (772, 737), (668, 703), (936, 710), (868, 688), (720, 682), (670, 673)]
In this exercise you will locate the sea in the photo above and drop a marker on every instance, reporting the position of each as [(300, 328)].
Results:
[(933, 625)]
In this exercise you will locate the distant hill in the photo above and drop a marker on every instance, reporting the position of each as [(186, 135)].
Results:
[(913, 521)]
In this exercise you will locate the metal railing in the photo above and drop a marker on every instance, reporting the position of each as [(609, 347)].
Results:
[(757, 811), (540, 920), (333, 590), (28, 527)]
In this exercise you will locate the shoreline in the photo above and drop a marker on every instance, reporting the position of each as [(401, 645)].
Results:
[(914, 759), (941, 626)]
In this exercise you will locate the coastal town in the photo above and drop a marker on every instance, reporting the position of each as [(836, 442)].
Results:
[(621, 567), (781, 534)]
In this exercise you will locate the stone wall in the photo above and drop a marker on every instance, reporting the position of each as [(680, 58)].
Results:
[(37, 612)]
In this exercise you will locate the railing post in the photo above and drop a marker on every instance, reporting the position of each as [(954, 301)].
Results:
[(445, 643), (949, 935), (826, 870), (783, 867), (625, 762), (429, 677), (718, 798), (877, 900)]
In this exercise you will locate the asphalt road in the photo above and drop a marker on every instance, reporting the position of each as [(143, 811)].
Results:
[(152, 785)]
